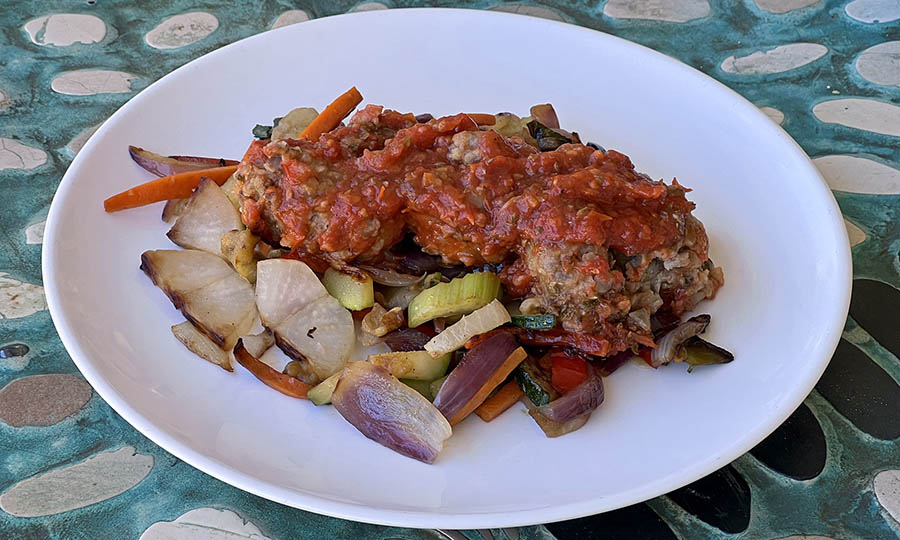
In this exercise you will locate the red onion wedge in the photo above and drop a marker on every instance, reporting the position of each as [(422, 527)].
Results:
[(482, 369), (586, 397), (164, 166), (552, 428), (389, 412), (670, 347)]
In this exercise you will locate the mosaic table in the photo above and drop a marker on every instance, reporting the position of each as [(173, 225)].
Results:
[(827, 71)]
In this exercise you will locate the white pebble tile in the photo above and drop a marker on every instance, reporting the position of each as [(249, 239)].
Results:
[(287, 18), (96, 479), (204, 524), (861, 113), (182, 30), (533, 11), (887, 490), (76, 144), (874, 11), (87, 82), (857, 174), (369, 6), (19, 299), (806, 537), (854, 234), (15, 155), (784, 6), (64, 29), (880, 64), (34, 233), (657, 10), (773, 113), (778, 60)]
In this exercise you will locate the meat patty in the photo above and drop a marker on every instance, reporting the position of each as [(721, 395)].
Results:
[(592, 240)]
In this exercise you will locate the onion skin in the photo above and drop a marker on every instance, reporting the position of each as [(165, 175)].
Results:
[(669, 346), (586, 397), (285, 384), (389, 412), (165, 166), (482, 369)]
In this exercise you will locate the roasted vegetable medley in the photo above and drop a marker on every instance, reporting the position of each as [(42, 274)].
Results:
[(406, 332)]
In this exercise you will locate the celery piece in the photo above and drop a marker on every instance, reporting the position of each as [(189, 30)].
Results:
[(461, 296), (320, 394), (422, 387), (436, 386), (419, 365), (354, 292)]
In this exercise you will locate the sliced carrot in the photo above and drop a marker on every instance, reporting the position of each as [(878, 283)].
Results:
[(483, 119), (287, 385), (176, 186), (502, 399), (333, 114)]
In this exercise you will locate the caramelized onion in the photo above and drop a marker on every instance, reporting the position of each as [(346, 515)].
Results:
[(164, 166), (391, 278), (670, 348), (583, 399), (406, 339)]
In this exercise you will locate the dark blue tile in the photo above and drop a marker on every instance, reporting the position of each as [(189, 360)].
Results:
[(797, 448), (721, 499), (863, 392), (637, 522), (876, 307)]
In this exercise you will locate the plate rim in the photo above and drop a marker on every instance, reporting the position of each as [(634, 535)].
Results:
[(421, 518)]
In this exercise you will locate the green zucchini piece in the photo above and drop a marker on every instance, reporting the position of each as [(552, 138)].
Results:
[(436, 386), (320, 394), (422, 387), (419, 365), (535, 322), (535, 382), (461, 296), (700, 352), (353, 291)]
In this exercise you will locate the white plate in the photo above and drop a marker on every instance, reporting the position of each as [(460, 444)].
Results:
[(774, 228)]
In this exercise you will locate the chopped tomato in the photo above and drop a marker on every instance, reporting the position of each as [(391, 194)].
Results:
[(644, 353), (567, 371), (427, 329)]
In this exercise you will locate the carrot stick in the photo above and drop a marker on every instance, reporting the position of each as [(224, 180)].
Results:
[(285, 384), (332, 115), (176, 186), (482, 119), (503, 399)]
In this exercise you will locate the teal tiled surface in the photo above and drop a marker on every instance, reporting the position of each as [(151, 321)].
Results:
[(828, 71)]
